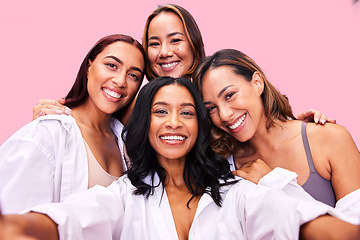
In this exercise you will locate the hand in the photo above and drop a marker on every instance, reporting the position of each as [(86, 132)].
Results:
[(47, 106), (312, 115), (253, 170)]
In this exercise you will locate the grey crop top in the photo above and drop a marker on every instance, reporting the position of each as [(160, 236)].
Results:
[(317, 186)]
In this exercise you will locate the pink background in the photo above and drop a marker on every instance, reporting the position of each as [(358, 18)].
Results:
[(309, 49)]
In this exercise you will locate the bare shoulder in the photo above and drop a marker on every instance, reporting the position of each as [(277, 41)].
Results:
[(328, 133)]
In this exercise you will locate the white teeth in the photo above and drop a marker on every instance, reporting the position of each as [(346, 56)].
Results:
[(238, 123), (112, 93), (168, 65), (173, 138)]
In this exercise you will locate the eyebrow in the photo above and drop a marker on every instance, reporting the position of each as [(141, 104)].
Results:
[(169, 35), (223, 90), (122, 63), (220, 93), (166, 104)]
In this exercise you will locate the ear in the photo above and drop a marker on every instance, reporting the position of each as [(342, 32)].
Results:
[(87, 71), (258, 82)]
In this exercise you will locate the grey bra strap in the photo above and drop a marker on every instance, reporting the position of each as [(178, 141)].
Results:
[(307, 147)]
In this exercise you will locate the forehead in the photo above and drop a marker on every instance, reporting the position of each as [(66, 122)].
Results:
[(166, 22), (126, 52), (216, 80), (173, 95), (221, 76)]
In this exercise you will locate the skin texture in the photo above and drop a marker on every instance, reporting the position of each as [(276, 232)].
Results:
[(171, 118), (233, 97), (112, 81), (169, 45)]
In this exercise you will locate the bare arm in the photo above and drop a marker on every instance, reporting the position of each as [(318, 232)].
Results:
[(328, 227), (343, 157), (29, 226)]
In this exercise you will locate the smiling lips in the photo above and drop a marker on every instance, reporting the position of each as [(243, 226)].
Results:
[(168, 66), (173, 139), (112, 93), (238, 122)]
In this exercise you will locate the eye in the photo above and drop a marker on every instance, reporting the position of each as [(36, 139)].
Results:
[(111, 65), (153, 44), (211, 109), (176, 40), (134, 76), (187, 113), (229, 95), (160, 111)]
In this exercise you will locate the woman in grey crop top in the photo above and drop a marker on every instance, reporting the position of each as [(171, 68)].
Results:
[(251, 122)]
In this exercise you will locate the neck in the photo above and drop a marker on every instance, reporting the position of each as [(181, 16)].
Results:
[(87, 115), (265, 141), (175, 170)]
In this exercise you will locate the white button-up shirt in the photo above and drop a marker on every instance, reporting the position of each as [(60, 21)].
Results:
[(44, 162), (248, 211), (285, 180)]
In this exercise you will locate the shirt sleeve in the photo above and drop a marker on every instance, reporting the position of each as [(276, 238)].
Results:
[(349, 206), (271, 213), (96, 213), (285, 180), (26, 175)]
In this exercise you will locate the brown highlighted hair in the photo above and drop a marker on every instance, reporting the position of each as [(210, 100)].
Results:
[(276, 105), (192, 32)]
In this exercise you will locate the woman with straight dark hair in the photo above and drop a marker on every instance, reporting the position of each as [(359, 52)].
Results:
[(250, 120), (177, 188), (57, 155)]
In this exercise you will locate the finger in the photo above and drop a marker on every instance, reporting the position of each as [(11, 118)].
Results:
[(319, 117), (240, 173), (307, 115), (49, 102), (36, 112), (61, 101), (330, 120), (323, 119)]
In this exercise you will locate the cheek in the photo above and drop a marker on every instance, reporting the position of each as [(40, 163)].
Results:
[(215, 119), (132, 88), (152, 55)]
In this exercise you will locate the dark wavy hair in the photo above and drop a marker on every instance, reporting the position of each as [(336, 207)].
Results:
[(276, 105), (79, 93), (203, 167), (192, 32)]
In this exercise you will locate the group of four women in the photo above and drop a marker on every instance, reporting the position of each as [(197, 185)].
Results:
[(176, 186)]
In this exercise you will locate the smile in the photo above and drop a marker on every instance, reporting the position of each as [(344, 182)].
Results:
[(112, 93), (169, 65), (173, 138), (238, 123)]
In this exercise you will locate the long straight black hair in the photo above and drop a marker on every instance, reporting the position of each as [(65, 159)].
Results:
[(203, 168)]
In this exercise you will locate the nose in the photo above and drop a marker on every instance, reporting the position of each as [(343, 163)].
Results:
[(165, 51), (225, 113), (173, 121), (120, 80)]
